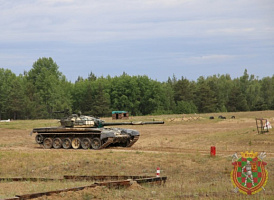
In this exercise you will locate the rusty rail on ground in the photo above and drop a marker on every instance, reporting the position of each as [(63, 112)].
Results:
[(102, 178), (108, 181), (29, 179)]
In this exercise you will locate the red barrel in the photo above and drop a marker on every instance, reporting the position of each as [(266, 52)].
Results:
[(213, 151)]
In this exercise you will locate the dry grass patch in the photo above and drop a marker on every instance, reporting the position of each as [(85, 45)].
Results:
[(181, 149)]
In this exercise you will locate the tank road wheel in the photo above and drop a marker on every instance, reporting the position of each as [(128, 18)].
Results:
[(66, 143), (85, 143), (126, 143), (96, 143), (47, 143), (39, 139), (76, 143), (57, 143)]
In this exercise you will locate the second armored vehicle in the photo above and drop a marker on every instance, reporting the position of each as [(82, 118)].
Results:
[(88, 132)]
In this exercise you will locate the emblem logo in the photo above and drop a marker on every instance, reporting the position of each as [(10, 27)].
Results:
[(249, 175)]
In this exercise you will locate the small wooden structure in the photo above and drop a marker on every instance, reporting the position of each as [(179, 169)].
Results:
[(120, 115), (99, 181), (262, 125)]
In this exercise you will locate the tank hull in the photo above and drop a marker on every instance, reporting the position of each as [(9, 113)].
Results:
[(86, 138)]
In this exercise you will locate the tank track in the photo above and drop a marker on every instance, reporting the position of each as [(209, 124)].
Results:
[(84, 141), (135, 139)]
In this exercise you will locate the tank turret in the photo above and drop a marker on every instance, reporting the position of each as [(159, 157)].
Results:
[(78, 130), (79, 121)]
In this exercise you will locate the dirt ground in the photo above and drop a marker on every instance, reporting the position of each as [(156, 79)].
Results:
[(180, 147)]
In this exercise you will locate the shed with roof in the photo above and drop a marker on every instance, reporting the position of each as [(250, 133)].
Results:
[(120, 115)]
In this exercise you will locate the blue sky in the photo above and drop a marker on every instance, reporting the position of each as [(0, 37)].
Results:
[(157, 38)]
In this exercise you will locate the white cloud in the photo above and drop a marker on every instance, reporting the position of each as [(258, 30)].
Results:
[(91, 21), (208, 59), (214, 57)]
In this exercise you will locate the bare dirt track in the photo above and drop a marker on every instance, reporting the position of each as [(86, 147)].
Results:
[(179, 147)]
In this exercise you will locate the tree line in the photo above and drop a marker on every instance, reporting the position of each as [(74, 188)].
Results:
[(36, 94)]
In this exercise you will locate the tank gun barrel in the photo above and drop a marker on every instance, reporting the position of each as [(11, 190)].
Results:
[(154, 122), (131, 123)]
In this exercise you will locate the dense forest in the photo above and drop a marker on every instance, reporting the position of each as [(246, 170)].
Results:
[(44, 89)]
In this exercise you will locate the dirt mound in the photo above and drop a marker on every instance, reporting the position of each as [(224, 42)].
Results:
[(134, 186)]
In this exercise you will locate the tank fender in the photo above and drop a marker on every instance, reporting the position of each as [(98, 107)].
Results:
[(130, 132), (107, 134)]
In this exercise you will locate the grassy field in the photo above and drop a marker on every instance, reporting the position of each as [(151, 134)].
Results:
[(180, 147)]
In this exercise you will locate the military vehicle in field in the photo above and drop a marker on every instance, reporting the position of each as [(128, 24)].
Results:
[(88, 132)]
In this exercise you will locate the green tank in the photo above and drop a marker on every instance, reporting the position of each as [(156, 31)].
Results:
[(80, 131)]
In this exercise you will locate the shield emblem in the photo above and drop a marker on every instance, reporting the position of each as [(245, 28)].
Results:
[(249, 175)]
